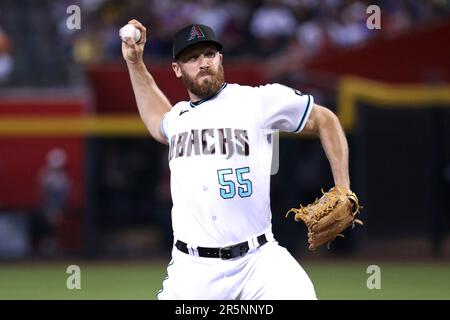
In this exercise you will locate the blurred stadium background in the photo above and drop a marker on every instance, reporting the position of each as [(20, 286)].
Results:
[(81, 181)]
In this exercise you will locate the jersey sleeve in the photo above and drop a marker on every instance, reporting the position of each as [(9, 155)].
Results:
[(284, 108), (164, 125)]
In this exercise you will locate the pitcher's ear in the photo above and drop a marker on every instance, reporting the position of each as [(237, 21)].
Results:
[(176, 69)]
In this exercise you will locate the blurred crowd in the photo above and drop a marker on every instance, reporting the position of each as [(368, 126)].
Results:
[(36, 42), (259, 28)]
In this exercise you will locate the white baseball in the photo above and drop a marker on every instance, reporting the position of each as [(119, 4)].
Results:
[(130, 31)]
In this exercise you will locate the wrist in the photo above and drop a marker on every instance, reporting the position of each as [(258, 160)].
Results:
[(342, 184), (342, 188), (139, 64)]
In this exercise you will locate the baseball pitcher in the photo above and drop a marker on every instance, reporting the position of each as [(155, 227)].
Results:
[(220, 158)]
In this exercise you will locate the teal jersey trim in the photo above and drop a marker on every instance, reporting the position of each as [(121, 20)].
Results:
[(194, 104), (304, 114)]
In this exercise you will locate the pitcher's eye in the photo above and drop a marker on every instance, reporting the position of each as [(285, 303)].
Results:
[(193, 58), (210, 54)]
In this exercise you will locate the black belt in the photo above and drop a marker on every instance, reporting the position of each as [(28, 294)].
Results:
[(224, 253)]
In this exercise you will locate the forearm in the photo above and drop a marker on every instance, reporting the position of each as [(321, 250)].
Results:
[(150, 100), (335, 145)]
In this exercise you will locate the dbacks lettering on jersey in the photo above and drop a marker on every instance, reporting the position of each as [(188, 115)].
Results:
[(206, 141)]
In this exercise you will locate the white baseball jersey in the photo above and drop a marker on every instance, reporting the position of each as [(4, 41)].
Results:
[(220, 157)]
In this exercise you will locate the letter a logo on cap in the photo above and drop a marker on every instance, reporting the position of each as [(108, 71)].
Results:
[(196, 32)]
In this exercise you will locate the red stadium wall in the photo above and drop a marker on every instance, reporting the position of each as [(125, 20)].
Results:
[(113, 93), (416, 57), (22, 157)]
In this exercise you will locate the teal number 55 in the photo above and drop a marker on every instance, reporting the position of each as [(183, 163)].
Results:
[(228, 191)]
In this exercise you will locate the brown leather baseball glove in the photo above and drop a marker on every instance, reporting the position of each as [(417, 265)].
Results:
[(328, 216)]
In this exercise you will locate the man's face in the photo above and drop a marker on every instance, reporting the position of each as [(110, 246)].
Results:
[(200, 68)]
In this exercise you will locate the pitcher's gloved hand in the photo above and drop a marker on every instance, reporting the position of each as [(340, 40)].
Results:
[(328, 216)]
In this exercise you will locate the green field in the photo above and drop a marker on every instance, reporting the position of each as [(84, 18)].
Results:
[(141, 280)]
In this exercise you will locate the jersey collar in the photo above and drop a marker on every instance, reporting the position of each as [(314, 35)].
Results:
[(196, 103)]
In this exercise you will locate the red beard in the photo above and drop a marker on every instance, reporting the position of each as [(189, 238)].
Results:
[(204, 88)]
